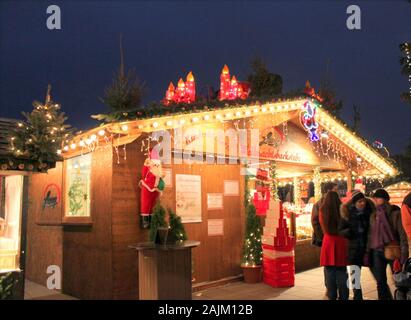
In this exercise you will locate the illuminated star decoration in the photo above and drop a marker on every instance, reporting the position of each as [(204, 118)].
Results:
[(308, 120)]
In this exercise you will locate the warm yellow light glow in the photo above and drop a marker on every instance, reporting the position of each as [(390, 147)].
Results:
[(155, 124), (73, 146), (101, 132), (169, 123), (66, 148), (124, 127)]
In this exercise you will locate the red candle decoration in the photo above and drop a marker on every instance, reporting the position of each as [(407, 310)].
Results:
[(184, 93), (231, 88)]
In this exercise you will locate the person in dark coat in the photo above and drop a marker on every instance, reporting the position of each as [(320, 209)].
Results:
[(334, 249), (385, 227), (354, 225), (318, 235)]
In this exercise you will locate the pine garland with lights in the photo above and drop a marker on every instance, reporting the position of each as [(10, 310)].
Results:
[(297, 191), (41, 136), (405, 62), (177, 231), (158, 220), (252, 250), (273, 175), (317, 183), (247, 193)]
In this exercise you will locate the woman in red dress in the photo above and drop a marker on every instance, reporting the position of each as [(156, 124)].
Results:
[(334, 251)]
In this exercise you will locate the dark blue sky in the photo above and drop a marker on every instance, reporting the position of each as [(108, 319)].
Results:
[(165, 40)]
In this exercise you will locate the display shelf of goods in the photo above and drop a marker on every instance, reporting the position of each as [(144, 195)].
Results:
[(302, 213)]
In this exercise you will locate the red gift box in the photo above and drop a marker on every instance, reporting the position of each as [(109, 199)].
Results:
[(262, 174)]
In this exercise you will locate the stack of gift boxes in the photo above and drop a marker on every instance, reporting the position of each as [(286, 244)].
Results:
[(278, 248)]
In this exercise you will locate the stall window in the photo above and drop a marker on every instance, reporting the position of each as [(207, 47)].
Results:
[(77, 188), (10, 222)]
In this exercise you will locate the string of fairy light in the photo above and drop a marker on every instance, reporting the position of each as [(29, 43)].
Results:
[(407, 51), (361, 150)]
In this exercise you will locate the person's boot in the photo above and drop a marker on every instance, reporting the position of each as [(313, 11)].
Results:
[(357, 294), (144, 222)]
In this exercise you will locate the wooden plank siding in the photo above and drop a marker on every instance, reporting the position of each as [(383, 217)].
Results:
[(87, 250), (44, 230), (125, 221)]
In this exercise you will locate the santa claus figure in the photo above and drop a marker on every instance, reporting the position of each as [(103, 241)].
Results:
[(151, 185)]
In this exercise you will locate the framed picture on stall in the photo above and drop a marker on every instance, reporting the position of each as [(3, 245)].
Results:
[(77, 190)]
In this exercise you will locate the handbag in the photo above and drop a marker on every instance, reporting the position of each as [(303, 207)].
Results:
[(392, 250)]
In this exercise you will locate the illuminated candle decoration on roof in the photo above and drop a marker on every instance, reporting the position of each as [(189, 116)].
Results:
[(231, 88), (311, 91), (184, 93)]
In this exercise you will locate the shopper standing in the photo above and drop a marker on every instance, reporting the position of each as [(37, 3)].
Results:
[(355, 223), (386, 232), (334, 248), (315, 221)]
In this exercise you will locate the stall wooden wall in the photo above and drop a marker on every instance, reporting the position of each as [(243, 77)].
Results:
[(96, 260), (217, 257), (44, 230), (87, 255), (125, 220)]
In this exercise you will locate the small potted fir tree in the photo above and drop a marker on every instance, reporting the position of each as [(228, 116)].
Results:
[(252, 250)]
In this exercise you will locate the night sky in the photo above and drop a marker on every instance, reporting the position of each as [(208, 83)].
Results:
[(165, 40)]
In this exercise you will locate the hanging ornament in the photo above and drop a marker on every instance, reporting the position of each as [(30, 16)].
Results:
[(308, 121)]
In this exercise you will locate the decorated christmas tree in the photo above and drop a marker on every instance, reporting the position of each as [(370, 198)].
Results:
[(252, 250), (43, 134), (177, 231), (158, 220)]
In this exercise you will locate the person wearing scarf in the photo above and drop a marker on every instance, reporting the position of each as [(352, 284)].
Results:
[(385, 227), (354, 226)]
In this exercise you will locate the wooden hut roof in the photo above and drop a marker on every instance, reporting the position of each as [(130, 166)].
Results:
[(165, 118)]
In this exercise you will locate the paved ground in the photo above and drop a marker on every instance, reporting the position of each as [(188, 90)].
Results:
[(309, 285), (34, 291)]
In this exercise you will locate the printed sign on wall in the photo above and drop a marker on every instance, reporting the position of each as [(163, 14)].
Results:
[(188, 197), (51, 196), (214, 201), (231, 188), (215, 227), (168, 177)]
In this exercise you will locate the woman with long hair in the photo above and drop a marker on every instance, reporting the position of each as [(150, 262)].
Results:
[(334, 248)]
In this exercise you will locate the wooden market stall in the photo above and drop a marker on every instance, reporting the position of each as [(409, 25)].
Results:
[(98, 216), (14, 201)]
